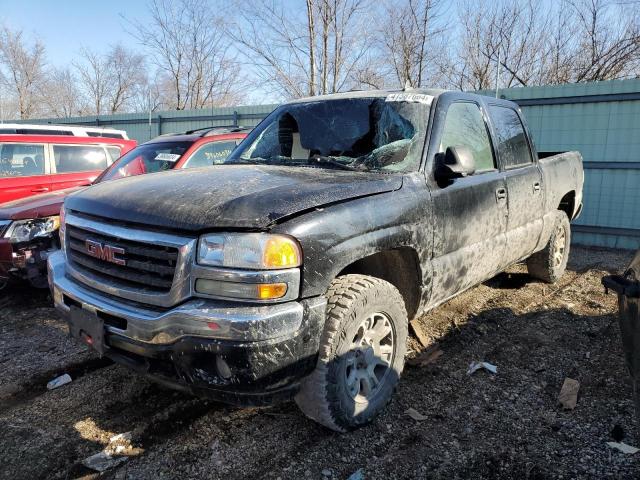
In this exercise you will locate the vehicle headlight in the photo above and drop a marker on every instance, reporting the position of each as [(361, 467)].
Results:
[(26, 230), (261, 267), (255, 251)]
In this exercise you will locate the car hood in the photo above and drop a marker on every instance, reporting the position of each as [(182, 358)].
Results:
[(226, 196), (43, 205)]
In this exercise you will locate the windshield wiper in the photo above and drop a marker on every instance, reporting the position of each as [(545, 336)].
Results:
[(246, 161), (326, 161)]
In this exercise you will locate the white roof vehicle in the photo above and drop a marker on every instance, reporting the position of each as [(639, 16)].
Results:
[(75, 130)]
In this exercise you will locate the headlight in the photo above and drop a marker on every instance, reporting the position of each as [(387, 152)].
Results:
[(256, 251), (26, 230)]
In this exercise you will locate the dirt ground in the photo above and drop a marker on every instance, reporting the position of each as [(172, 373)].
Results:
[(507, 425)]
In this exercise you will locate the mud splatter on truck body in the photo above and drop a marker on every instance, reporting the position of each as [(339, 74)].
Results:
[(420, 195)]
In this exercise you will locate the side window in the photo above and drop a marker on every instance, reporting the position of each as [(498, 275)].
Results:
[(513, 148), (464, 126), (79, 158), (213, 153), (21, 160), (114, 153)]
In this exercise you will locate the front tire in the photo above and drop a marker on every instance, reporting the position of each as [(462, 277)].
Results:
[(550, 263), (361, 354)]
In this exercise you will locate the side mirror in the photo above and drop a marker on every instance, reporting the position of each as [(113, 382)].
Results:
[(456, 162)]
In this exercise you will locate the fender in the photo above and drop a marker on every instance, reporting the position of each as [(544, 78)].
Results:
[(335, 237)]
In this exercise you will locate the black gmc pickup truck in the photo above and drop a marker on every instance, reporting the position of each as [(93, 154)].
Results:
[(293, 269)]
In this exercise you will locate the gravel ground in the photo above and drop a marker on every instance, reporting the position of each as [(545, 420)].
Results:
[(507, 425)]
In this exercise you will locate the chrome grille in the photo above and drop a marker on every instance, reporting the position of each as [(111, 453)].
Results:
[(146, 266), (156, 268)]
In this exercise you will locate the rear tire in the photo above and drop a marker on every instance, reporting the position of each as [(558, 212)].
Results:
[(550, 263), (361, 354)]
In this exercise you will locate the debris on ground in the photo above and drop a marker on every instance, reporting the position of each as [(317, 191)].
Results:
[(423, 359), (496, 427), (116, 452), (475, 366), (568, 397), (357, 475), (103, 460), (416, 415), (59, 381), (623, 447), (422, 336)]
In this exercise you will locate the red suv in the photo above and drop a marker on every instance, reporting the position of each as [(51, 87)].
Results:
[(29, 227), (32, 164)]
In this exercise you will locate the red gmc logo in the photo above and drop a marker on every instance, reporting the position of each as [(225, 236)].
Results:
[(108, 253)]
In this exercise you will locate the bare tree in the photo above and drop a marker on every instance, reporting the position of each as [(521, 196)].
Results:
[(296, 53), (94, 79), (608, 40), (126, 71), (61, 95), (409, 38), (188, 45), (506, 37), (110, 80), (571, 41), (23, 67)]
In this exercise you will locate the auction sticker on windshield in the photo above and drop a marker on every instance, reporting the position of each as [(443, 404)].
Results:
[(167, 157), (410, 97)]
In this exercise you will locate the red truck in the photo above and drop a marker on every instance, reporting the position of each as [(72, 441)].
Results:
[(29, 227)]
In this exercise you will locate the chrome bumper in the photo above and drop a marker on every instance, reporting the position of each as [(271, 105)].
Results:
[(210, 319)]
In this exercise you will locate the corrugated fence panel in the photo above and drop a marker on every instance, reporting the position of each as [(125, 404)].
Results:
[(600, 119)]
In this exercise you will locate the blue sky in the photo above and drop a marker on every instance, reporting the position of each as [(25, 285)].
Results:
[(66, 25)]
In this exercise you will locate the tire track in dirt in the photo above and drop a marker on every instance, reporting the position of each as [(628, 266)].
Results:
[(37, 385)]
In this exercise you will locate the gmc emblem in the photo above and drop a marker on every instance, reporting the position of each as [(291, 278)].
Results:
[(104, 252)]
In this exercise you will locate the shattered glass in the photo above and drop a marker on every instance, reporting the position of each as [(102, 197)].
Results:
[(362, 134)]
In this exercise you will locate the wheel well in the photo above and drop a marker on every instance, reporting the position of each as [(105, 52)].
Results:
[(568, 203), (400, 267)]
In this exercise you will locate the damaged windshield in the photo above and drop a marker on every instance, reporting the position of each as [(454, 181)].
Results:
[(362, 134)]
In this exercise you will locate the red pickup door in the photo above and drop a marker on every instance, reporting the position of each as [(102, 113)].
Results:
[(33, 164)]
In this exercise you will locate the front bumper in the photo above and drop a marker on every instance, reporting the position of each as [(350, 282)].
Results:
[(234, 352)]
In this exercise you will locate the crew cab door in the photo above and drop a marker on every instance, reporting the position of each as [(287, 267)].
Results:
[(23, 170), (76, 165), (470, 212), (524, 182)]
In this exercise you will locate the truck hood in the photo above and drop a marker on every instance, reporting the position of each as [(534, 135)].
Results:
[(226, 196), (43, 205)]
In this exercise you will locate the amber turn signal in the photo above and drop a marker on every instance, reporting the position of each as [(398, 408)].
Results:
[(281, 252), (268, 291)]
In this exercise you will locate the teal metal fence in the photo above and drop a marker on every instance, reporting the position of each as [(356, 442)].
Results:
[(143, 127), (600, 119)]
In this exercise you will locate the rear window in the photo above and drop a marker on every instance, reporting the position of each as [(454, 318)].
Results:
[(513, 148), (79, 158), (147, 158), (213, 153), (21, 159)]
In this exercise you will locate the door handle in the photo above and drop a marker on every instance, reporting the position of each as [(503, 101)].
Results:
[(40, 190), (536, 187), (501, 194)]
